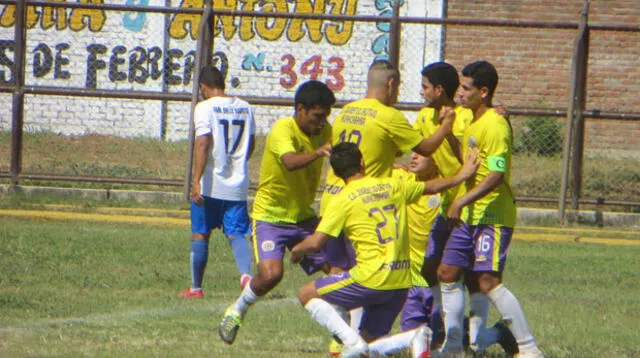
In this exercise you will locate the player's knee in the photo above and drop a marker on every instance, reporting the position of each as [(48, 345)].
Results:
[(487, 281), (430, 271), (448, 274), (307, 292)]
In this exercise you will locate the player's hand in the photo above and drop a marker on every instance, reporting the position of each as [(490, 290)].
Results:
[(195, 193), (296, 256), (471, 164), (447, 117), (453, 215), (324, 150)]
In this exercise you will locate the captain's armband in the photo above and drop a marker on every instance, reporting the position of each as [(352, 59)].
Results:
[(497, 164)]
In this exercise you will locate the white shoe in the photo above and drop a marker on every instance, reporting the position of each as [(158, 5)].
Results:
[(421, 342), (535, 354), (355, 351)]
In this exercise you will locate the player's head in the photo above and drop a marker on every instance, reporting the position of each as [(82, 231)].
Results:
[(439, 84), (346, 160), (210, 79), (384, 78), (479, 82), (313, 101), (423, 167)]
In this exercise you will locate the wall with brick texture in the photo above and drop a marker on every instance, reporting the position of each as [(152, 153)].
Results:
[(534, 64)]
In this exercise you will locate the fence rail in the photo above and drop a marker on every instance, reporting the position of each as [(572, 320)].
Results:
[(572, 174)]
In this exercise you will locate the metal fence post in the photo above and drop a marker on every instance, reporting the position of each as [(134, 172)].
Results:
[(17, 101), (581, 81), (571, 158), (203, 58), (394, 35)]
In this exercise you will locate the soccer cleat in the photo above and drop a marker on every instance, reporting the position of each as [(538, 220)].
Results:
[(361, 348), (244, 280), (229, 325), (189, 293), (334, 348), (507, 341), (421, 342)]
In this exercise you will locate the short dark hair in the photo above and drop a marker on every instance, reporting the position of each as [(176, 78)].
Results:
[(483, 74), (443, 74), (345, 159), (314, 93), (211, 76)]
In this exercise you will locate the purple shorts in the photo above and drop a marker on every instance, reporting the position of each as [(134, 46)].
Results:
[(481, 248), (437, 239), (380, 307), (340, 253), (270, 241), (416, 311)]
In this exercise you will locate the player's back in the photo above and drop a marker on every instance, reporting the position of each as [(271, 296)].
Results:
[(380, 131), (232, 125), (373, 214)]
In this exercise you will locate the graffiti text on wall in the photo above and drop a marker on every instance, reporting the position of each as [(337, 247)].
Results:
[(336, 33), (174, 67), (291, 69), (138, 64)]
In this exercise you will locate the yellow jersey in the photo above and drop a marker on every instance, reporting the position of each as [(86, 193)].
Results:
[(285, 196), (372, 214), (428, 123), (380, 131), (420, 218), (493, 137)]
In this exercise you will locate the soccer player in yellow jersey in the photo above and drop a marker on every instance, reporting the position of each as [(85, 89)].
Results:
[(486, 213), (381, 132), (282, 212), (440, 82), (372, 214)]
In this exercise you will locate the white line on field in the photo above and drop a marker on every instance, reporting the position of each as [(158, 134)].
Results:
[(214, 307)]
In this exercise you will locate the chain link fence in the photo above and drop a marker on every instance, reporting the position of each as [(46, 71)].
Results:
[(108, 87)]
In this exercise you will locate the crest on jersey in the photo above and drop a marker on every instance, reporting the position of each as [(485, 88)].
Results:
[(472, 142), (433, 201), (268, 246)]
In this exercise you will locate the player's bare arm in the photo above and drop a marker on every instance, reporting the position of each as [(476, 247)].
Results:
[(310, 244), (469, 168), (429, 145), (252, 146), (454, 142), (294, 161), (492, 181), (202, 147)]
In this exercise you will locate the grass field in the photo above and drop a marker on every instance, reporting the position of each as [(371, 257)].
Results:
[(87, 284)]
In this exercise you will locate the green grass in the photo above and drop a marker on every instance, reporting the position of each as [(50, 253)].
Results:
[(73, 288)]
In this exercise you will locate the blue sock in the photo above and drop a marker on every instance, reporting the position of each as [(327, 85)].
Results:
[(199, 257), (242, 253)]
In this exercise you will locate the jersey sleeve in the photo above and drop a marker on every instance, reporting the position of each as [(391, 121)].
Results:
[(401, 132), (334, 217), (201, 121), (410, 189), (281, 139), (498, 148)]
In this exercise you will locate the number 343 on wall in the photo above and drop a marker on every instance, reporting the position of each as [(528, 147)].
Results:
[(313, 68)]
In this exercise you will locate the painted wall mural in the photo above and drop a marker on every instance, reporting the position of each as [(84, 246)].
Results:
[(99, 49)]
